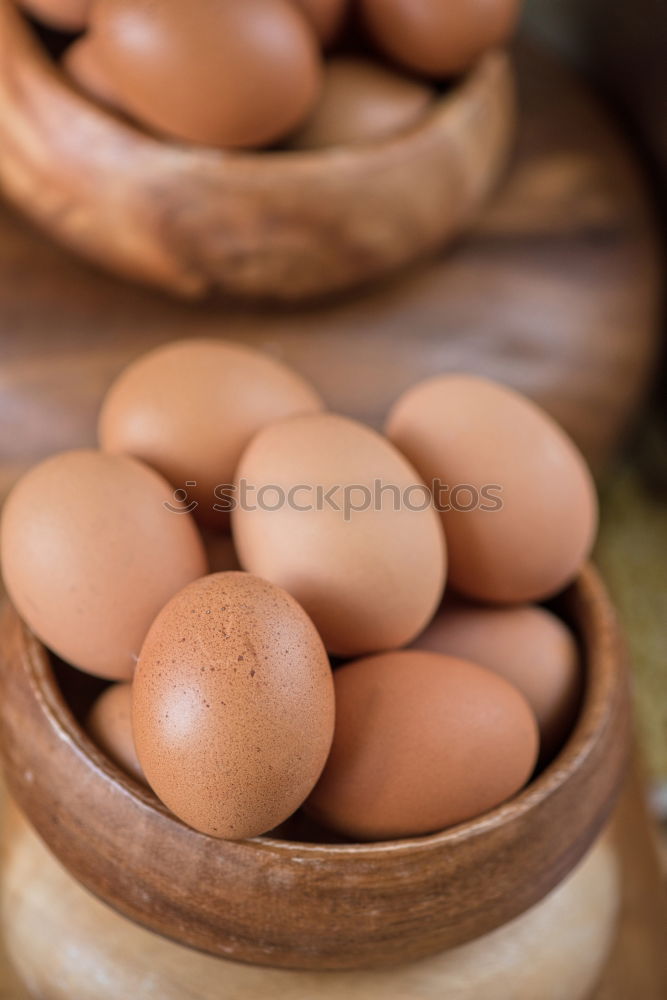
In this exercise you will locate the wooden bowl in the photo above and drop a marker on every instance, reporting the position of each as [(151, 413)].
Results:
[(313, 906), (274, 225)]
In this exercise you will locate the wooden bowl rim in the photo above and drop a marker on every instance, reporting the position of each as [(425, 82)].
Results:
[(476, 78), (281, 226), (603, 675)]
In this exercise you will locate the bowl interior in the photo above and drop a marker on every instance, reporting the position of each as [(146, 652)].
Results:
[(79, 690), (286, 902)]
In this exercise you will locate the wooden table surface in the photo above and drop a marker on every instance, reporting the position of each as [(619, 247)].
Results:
[(555, 291)]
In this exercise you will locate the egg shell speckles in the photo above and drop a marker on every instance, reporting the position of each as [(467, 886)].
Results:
[(233, 706), (422, 742), (370, 581), (90, 555)]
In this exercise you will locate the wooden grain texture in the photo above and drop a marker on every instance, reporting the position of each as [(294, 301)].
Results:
[(109, 949), (638, 963), (285, 904), (556, 292), (276, 225), (552, 952)]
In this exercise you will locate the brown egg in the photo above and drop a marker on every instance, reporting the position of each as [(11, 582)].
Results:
[(518, 502), (109, 725), (67, 15), (362, 101), (82, 64), (90, 555), (325, 513), (422, 742), (233, 706), (439, 37), (190, 408), (528, 646), (215, 72), (326, 16)]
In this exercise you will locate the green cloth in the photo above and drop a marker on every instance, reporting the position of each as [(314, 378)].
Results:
[(632, 555)]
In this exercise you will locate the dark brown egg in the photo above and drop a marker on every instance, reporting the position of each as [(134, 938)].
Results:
[(422, 742), (66, 15), (362, 101), (439, 38), (214, 72), (233, 708), (110, 727), (326, 16)]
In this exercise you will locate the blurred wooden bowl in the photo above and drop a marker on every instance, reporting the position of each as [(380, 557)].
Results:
[(313, 906), (274, 225)]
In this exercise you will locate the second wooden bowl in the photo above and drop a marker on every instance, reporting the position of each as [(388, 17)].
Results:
[(313, 906), (274, 225)]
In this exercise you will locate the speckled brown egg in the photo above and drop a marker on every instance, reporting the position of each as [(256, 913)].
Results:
[(233, 706), (422, 742), (90, 555), (439, 37), (190, 408), (518, 502), (66, 15), (362, 101), (335, 515), (82, 64), (326, 16), (109, 725), (528, 646), (214, 72)]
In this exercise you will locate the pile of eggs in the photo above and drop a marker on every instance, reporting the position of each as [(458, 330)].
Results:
[(247, 74), (262, 580)]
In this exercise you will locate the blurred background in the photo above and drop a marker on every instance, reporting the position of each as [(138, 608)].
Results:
[(621, 47)]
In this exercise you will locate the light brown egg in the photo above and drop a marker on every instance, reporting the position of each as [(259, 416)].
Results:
[(362, 101), (369, 577), (90, 555), (518, 501), (233, 706), (326, 16), (67, 15), (439, 37), (82, 63), (214, 72), (190, 408), (528, 646), (422, 742), (109, 725)]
